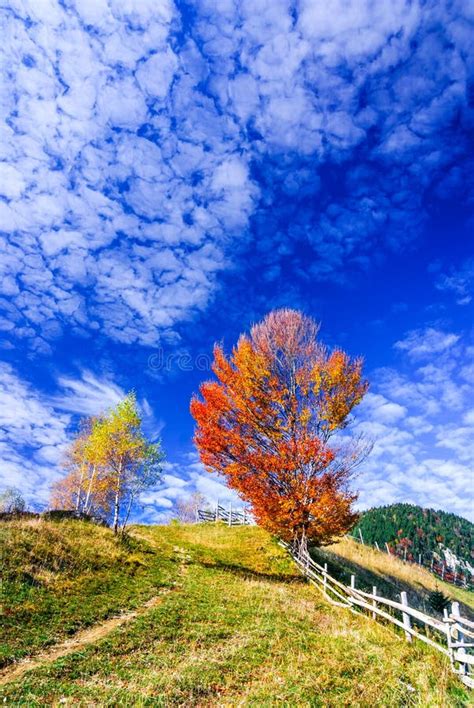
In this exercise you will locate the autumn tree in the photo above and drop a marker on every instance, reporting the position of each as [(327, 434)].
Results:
[(86, 487), (269, 425), (109, 463), (131, 462)]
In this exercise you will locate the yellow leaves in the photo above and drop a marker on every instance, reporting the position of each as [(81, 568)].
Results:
[(109, 459), (305, 417), (266, 421)]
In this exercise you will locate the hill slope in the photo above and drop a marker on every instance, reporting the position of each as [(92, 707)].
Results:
[(420, 531), (238, 625), (390, 575), (61, 577)]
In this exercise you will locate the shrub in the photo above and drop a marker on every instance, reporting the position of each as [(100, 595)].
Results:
[(438, 600)]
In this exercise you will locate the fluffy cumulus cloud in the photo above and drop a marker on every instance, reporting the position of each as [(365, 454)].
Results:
[(32, 437), (35, 427), (120, 181), (142, 142), (422, 423), (181, 480)]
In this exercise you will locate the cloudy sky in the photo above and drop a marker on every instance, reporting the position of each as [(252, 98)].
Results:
[(170, 172)]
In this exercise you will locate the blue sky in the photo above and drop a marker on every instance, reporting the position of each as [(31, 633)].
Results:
[(170, 172)]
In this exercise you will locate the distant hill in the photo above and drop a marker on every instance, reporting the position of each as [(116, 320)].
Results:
[(419, 531)]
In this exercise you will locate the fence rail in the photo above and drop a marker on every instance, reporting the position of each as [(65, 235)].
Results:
[(232, 517), (459, 578), (453, 635)]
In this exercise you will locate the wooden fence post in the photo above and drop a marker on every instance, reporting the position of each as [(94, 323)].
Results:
[(447, 623), (459, 637), (230, 513), (406, 617), (377, 546), (217, 511), (388, 548), (432, 563), (361, 537), (452, 624)]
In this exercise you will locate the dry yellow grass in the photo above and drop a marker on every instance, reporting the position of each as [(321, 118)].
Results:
[(391, 569)]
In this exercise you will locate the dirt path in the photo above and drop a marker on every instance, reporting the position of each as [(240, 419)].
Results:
[(78, 641)]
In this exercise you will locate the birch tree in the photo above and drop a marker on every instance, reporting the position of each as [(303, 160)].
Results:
[(109, 463), (84, 488), (130, 463)]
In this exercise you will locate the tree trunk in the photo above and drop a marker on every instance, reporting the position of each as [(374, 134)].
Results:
[(117, 499), (129, 508), (300, 545), (87, 501), (79, 489), (116, 510)]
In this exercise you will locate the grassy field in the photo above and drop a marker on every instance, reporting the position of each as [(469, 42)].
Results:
[(238, 627), (61, 577), (390, 574)]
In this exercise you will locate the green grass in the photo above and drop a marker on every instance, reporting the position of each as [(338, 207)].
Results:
[(59, 577), (241, 627)]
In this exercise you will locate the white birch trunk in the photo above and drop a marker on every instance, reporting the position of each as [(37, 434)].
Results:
[(87, 503), (79, 488), (118, 489)]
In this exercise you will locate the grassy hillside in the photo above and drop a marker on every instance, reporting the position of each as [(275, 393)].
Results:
[(418, 530), (60, 577), (238, 626), (389, 574)]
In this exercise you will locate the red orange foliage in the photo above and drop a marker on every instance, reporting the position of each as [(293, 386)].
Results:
[(266, 422)]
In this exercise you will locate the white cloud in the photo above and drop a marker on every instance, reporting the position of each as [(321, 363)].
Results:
[(181, 479), (424, 452), (383, 410), (88, 395), (458, 281), (156, 73), (71, 143), (32, 437), (468, 417), (120, 143), (423, 344)]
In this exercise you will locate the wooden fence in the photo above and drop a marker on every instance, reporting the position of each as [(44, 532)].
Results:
[(453, 635), (440, 569), (232, 517)]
